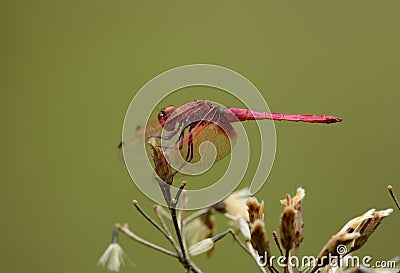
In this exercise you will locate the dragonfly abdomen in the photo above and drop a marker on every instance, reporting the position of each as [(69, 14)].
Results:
[(244, 114)]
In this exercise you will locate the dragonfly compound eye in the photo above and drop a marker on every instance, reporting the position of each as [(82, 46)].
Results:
[(165, 114), (161, 117)]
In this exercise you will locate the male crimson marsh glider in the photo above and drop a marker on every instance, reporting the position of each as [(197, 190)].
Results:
[(197, 121)]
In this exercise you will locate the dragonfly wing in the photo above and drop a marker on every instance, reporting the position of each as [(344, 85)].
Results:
[(209, 133), (132, 146)]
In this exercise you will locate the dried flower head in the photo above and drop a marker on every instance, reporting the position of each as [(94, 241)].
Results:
[(258, 233), (161, 166), (369, 227), (113, 257), (288, 227), (355, 224), (296, 200), (335, 247), (234, 204), (296, 203), (342, 238), (353, 235), (259, 239), (364, 224), (255, 210)]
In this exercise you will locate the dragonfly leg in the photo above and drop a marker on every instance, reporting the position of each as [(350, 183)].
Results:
[(214, 116), (181, 139), (213, 113), (189, 154)]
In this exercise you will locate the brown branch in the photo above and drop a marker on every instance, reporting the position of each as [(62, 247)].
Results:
[(296, 254), (147, 217), (178, 232), (186, 263), (396, 201), (157, 210), (278, 244), (162, 230), (182, 224), (287, 261)]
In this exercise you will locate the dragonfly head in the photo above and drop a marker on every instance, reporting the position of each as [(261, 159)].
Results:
[(165, 114)]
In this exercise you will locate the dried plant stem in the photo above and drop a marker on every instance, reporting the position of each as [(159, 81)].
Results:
[(196, 214), (125, 229), (165, 214), (273, 269), (278, 244), (243, 246), (194, 267), (396, 201), (148, 218), (165, 228), (158, 210), (182, 224), (178, 194), (252, 252), (162, 230), (165, 189), (287, 253), (189, 265), (178, 231), (296, 253)]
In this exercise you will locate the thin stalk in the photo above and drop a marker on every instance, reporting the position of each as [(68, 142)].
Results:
[(157, 210), (196, 214), (148, 218), (178, 232), (194, 268), (236, 238), (189, 265), (396, 201), (125, 229), (287, 261), (165, 214), (182, 224), (275, 234), (296, 254)]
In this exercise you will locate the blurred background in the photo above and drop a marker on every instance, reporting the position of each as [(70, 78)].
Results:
[(69, 70)]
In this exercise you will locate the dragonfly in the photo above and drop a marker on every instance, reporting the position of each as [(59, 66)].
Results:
[(197, 121)]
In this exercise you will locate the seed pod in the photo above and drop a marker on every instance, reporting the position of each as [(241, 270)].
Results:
[(259, 239), (201, 247), (288, 227), (201, 228), (369, 228), (161, 166)]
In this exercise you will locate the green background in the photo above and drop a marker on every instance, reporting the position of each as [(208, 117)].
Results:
[(69, 70)]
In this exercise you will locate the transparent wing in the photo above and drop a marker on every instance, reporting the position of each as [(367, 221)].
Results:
[(132, 146)]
